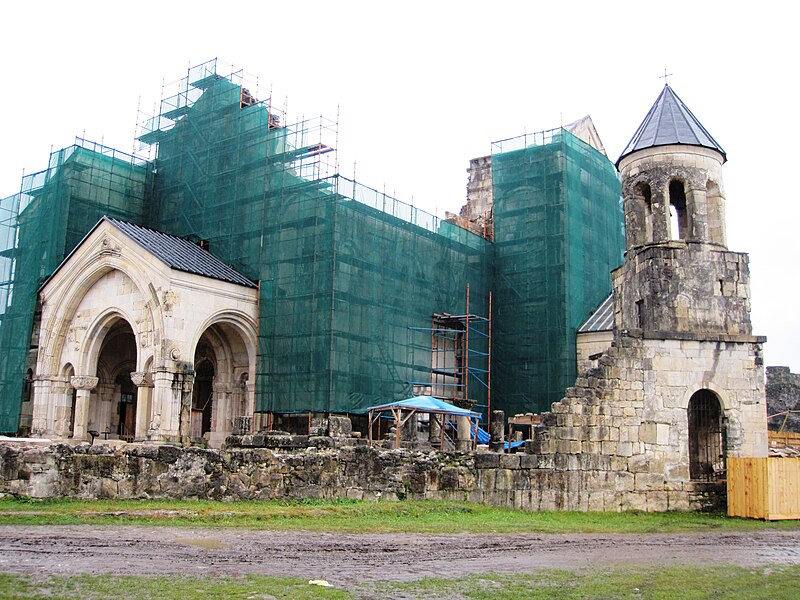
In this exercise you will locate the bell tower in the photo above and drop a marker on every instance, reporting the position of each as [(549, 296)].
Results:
[(652, 421), (678, 276)]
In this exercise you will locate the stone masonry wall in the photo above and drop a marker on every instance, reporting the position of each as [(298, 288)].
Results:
[(521, 481), (625, 422)]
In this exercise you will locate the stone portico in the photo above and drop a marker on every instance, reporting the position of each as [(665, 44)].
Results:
[(144, 336)]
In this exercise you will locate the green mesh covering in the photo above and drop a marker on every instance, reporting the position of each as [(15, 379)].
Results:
[(39, 226), (558, 234), (347, 273), (349, 278)]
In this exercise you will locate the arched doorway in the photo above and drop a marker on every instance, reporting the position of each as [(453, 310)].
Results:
[(220, 390), (706, 437), (112, 412), (203, 393)]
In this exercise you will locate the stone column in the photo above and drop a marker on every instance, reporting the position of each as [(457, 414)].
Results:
[(497, 428), (164, 414), (84, 384), (463, 443), (59, 408), (221, 407), (697, 208), (435, 431), (43, 398), (144, 384), (250, 401), (182, 390)]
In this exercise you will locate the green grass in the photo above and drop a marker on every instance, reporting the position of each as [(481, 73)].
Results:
[(166, 587), (690, 583), (687, 583), (356, 516)]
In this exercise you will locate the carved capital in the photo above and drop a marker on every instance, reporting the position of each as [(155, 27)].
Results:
[(84, 382), (142, 379)]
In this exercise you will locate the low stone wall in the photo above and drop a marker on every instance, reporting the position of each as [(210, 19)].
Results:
[(522, 481)]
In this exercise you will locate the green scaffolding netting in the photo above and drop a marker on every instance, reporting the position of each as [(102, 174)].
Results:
[(558, 234), (39, 226), (348, 275), (349, 278)]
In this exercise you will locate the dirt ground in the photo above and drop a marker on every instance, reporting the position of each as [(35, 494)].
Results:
[(349, 559)]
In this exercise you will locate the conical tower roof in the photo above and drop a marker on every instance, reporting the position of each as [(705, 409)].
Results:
[(668, 122)]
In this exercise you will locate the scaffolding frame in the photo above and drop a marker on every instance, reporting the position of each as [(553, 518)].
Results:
[(460, 350)]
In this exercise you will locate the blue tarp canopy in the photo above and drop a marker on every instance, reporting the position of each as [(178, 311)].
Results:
[(427, 404)]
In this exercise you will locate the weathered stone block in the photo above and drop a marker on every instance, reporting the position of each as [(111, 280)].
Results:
[(509, 461), (504, 479), (487, 460)]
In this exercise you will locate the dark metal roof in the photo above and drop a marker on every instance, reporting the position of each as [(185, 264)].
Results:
[(669, 121), (602, 319), (180, 254)]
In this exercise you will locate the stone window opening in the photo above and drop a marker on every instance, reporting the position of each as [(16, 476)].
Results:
[(640, 314), (644, 197), (707, 440), (679, 216)]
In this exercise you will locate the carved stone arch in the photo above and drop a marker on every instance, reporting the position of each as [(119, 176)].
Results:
[(67, 371), (240, 322), (221, 354), (95, 337), (227, 339), (719, 392), (79, 283)]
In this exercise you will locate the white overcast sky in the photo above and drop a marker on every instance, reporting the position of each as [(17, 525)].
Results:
[(421, 87)]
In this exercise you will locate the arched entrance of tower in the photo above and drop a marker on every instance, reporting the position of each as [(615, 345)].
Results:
[(222, 363), (707, 440), (112, 413)]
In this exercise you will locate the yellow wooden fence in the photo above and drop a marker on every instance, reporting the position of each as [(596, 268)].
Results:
[(764, 488)]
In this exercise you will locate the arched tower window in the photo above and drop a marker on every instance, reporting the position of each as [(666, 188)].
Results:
[(644, 209), (679, 216), (706, 437)]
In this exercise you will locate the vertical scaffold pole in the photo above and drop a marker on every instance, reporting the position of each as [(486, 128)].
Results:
[(489, 366), (466, 350)]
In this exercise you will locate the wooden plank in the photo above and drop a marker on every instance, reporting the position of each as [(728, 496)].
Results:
[(764, 488), (747, 487), (784, 488)]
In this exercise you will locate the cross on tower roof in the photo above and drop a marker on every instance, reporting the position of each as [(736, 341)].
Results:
[(664, 76)]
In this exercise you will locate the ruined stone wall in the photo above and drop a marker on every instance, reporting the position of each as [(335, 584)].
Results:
[(627, 419), (476, 215), (783, 394), (522, 481)]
